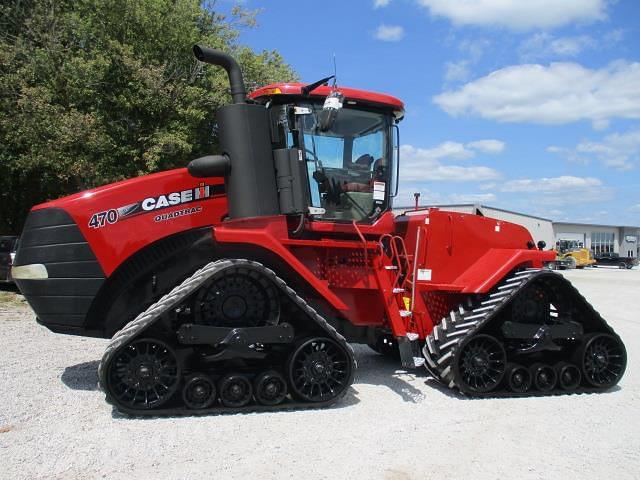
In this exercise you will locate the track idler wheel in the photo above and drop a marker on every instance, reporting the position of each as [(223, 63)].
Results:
[(518, 378), (544, 377), (143, 375), (235, 390), (569, 376), (270, 388), (199, 392), (319, 370), (603, 359), (481, 364)]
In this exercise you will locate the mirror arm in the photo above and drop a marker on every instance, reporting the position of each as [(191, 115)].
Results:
[(397, 148)]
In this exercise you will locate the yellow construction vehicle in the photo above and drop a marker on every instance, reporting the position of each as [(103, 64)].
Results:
[(572, 254)]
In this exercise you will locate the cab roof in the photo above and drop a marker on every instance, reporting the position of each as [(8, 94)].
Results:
[(353, 94)]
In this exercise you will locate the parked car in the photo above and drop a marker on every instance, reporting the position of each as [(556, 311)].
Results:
[(8, 246), (615, 260)]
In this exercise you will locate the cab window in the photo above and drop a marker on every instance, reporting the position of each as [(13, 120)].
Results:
[(348, 164)]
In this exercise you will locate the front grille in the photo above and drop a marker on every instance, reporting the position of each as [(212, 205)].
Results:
[(51, 237)]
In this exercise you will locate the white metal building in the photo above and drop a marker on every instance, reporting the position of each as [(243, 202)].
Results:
[(623, 240)]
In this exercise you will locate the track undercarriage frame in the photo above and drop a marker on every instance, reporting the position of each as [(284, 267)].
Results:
[(235, 337)]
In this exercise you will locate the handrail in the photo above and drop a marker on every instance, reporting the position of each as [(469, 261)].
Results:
[(364, 242)]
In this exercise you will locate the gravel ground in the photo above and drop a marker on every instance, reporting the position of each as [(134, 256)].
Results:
[(393, 425)]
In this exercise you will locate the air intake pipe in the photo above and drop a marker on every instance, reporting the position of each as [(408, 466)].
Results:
[(245, 141)]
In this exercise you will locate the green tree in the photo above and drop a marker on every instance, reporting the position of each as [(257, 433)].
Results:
[(95, 91)]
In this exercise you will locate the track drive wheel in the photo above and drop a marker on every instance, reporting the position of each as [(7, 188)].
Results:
[(481, 364), (144, 375), (238, 297), (319, 370), (603, 360)]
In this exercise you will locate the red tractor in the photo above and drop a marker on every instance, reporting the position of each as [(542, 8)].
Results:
[(237, 283)]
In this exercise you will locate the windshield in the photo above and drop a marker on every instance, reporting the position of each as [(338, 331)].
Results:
[(348, 165)]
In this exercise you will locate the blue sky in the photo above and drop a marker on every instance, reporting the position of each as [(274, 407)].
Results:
[(531, 106)]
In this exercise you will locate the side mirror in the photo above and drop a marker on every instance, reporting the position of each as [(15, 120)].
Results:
[(329, 113)]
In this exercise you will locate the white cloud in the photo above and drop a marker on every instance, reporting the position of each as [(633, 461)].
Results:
[(635, 208), (614, 36), (487, 146), (474, 47), (454, 150), (617, 150), (519, 15), (550, 185), (570, 155), (554, 94), (457, 71), (558, 191), (472, 197), (422, 164), (545, 45), (381, 3), (389, 33), (406, 198)]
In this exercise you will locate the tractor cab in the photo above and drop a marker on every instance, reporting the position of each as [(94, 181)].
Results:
[(347, 141)]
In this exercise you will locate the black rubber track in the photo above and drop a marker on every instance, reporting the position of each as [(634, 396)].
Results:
[(146, 319), (443, 346)]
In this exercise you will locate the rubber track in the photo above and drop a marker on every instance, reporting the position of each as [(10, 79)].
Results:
[(145, 319), (443, 344)]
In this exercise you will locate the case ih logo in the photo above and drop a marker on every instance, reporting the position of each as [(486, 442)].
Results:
[(154, 204)]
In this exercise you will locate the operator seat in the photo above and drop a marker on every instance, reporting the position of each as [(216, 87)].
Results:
[(378, 175)]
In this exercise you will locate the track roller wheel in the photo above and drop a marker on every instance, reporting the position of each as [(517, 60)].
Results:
[(199, 391), (603, 360), (569, 376), (518, 378), (144, 375), (270, 388), (235, 390), (319, 370), (481, 364), (544, 376)]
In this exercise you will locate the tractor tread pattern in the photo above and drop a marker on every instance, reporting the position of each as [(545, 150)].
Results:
[(153, 313), (442, 345)]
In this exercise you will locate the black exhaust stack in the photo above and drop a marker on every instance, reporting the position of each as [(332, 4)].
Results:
[(245, 140), (216, 57)]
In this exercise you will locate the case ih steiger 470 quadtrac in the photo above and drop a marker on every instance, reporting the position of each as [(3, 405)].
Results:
[(237, 283)]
